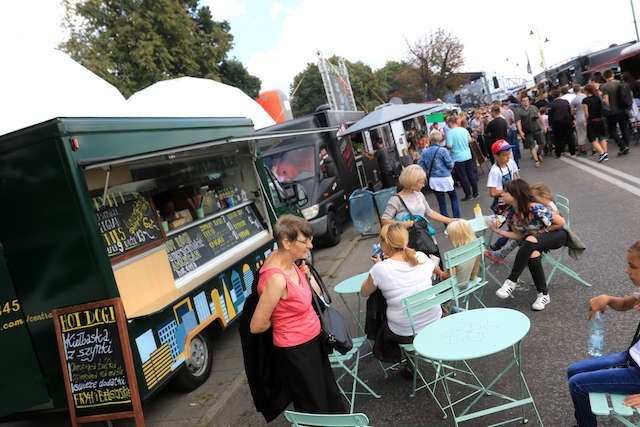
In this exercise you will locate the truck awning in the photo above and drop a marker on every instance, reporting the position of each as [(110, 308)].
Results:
[(106, 163)]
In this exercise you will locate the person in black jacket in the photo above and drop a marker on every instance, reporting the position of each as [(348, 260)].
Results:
[(561, 121)]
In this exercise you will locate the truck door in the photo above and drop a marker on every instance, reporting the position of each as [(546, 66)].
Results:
[(21, 384)]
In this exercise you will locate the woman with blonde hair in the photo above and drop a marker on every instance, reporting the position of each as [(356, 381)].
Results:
[(403, 273)]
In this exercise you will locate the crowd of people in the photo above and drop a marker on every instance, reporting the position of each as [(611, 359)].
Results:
[(526, 220)]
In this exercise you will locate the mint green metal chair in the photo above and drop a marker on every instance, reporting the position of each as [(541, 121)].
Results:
[(348, 365), (413, 306), (473, 288), (612, 405), (555, 259), (301, 419)]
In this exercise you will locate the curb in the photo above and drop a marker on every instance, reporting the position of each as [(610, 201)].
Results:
[(229, 393)]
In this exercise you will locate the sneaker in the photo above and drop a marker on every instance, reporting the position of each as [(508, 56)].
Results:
[(494, 256), (475, 196), (506, 289), (538, 164), (625, 150), (603, 157), (541, 302)]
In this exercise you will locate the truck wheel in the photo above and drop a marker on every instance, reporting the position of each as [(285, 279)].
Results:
[(195, 371), (334, 233)]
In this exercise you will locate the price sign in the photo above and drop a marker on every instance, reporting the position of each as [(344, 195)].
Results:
[(96, 361), (127, 222)]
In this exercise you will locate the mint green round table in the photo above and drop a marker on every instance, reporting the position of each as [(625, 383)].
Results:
[(352, 286), (473, 334)]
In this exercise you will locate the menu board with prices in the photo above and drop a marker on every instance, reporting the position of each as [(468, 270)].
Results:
[(195, 246), (96, 360), (127, 222)]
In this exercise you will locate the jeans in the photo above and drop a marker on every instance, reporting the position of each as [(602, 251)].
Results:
[(608, 374), (512, 139), (622, 120), (467, 176), (442, 202)]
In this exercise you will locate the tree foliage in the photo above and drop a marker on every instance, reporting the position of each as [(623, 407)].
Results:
[(135, 43), (435, 58)]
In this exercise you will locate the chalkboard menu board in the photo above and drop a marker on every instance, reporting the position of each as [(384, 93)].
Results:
[(127, 222), (96, 361), (194, 246)]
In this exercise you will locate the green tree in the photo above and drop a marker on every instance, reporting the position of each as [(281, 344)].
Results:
[(394, 80), (134, 43), (436, 58), (307, 91), (233, 73)]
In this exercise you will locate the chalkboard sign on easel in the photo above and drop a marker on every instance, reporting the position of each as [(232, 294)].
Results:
[(98, 370), (128, 223)]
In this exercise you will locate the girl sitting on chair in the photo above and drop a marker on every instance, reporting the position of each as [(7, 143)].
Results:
[(541, 229)]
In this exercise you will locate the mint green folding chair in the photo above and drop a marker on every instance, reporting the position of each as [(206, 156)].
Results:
[(612, 405), (413, 306), (349, 364), (473, 288), (301, 419), (556, 261)]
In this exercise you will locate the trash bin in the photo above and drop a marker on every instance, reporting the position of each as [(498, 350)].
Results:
[(382, 197), (362, 210)]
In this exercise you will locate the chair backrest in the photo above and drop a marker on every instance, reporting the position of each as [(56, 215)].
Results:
[(565, 212), (464, 253), (299, 419), (563, 200), (427, 299)]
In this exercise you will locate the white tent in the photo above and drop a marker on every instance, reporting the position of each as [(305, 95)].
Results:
[(195, 97), (37, 85)]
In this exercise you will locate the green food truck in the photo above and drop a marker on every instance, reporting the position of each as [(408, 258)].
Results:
[(170, 216)]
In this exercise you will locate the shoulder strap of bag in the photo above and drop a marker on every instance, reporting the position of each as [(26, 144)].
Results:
[(432, 162), (323, 288), (405, 206)]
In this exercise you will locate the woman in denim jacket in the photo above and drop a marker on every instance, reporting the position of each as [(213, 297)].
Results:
[(437, 163)]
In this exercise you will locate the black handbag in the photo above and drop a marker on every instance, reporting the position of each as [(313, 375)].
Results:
[(420, 238), (335, 326)]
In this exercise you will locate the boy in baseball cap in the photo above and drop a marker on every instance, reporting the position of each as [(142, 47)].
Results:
[(503, 170)]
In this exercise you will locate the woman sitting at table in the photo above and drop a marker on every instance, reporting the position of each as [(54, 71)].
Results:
[(403, 273), (541, 229)]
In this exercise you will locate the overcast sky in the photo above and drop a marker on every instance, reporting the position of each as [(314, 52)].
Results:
[(276, 39)]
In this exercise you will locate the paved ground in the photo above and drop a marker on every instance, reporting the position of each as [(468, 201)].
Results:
[(605, 216)]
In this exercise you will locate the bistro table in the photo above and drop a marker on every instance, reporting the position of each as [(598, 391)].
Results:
[(352, 286), (474, 334)]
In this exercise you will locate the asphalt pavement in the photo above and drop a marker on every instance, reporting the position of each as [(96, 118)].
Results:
[(605, 201)]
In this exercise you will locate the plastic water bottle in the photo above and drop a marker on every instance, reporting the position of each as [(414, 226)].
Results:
[(596, 335), (376, 250)]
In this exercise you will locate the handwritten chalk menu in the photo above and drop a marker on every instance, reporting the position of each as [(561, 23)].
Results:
[(96, 362), (127, 222), (194, 246)]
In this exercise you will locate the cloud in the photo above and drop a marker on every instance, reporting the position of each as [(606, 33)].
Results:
[(225, 9), (373, 32)]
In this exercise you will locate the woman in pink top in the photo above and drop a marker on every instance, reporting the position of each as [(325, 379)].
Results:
[(285, 305)]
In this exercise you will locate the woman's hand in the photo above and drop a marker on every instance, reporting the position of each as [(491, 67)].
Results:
[(408, 224), (376, 259), (632, 400), (305, 269), (599, 303)]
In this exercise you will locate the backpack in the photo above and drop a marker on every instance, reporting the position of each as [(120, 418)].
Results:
[(625, 96)]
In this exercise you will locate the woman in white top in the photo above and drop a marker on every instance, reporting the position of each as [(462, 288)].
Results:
[(403, 273)]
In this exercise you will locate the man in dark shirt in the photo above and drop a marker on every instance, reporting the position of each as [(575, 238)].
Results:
[(385, 165), (496, 129), (616, 117), (561, 121)]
